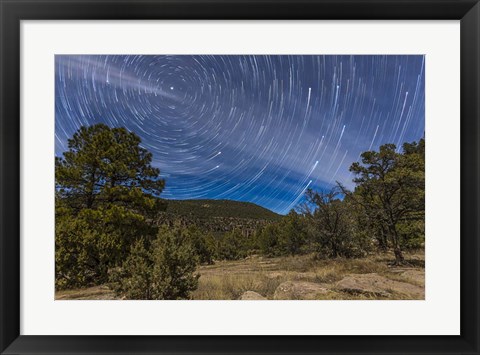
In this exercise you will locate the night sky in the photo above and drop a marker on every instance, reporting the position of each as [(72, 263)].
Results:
[(249, 128)]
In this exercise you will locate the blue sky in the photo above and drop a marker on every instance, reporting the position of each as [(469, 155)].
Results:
[(250, 128)]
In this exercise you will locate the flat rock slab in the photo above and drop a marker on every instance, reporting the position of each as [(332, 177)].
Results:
[(305, 276), (377, 285), (415, 275), (251, 295), (275, 275), (299, 290), (92, 293)]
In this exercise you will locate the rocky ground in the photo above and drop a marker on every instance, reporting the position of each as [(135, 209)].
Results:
[(299, 278), (304, 278)]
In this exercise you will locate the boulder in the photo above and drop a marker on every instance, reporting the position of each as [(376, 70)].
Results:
[(299, 290), (251, 295), (377, 285), (275, 275), (416, 275)]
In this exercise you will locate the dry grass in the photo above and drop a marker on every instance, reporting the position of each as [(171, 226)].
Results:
[(232, 286), (228, 280)]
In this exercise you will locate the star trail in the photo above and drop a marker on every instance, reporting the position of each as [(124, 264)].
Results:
[(257, 128)]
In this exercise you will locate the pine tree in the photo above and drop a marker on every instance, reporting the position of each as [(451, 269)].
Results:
[(165, 271), (106, 166), (106, 198), (391, 188)]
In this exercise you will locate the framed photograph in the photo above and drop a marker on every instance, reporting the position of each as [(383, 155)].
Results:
[(239, 177)]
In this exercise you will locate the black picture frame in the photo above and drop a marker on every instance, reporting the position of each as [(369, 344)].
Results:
[(13, 11)]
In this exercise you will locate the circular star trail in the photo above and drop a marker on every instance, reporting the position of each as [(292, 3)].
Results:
[(261, 129)]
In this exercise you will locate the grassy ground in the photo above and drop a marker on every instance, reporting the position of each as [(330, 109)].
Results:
[(228, 280)]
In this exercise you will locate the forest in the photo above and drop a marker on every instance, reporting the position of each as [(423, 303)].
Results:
[(112, 227)]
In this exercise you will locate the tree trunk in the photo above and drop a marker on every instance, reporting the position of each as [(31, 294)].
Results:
[(382, 240), (399, 259)]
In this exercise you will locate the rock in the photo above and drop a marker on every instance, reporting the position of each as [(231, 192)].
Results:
[(299, 290), (251, 295), (92, 293), (377, 285), (305, 276), (416, 275), (275, 275)]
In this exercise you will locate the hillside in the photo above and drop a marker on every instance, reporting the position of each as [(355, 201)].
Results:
[(217, 216), (206, 209)]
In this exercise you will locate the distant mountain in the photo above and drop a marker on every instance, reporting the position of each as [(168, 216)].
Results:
[(207, 209)]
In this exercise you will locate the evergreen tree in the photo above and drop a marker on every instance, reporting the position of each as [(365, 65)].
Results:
[(106, 198), (332, 226), (233, 246), (165, 271), (105, 166), (292, 235), (391, 189), (204, 245), (268, 240)]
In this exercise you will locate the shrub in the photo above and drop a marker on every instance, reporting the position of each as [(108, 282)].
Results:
[(233, 246), (332, 226), (203, 244), (292, 237), (268, 240), (75, 251), (92, 241), (134, 280), (166, 271), (287, 237)]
